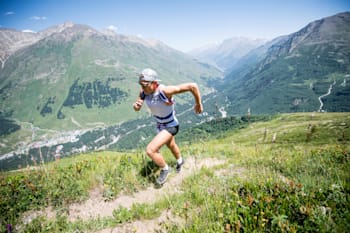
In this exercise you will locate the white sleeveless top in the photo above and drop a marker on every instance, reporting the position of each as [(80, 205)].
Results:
[(162, 109)]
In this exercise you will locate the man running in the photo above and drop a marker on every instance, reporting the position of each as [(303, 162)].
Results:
[(159, 99)]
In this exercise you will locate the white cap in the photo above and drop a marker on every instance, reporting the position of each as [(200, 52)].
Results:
[(148, 75)]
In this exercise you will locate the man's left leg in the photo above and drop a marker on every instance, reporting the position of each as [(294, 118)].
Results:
[(174, 148)]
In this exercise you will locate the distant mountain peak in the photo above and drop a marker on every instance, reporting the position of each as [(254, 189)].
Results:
[(109, 32), (68, 24), (226, 53), (57, 29)]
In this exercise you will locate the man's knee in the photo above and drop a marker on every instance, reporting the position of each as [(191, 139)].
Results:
[(150, 151)]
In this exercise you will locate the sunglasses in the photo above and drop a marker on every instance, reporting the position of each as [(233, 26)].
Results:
[(145, 84)]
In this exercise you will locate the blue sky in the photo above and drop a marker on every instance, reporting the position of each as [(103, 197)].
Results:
[(181, 24)]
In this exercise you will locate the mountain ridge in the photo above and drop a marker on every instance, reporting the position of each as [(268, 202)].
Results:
[(293, 72), (226, 53)]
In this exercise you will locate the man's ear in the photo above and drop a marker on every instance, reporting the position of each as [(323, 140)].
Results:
[(155, 83)]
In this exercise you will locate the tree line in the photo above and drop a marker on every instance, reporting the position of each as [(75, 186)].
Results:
[(96, 93)]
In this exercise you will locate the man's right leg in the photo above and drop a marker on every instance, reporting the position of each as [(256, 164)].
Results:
[(152, 150)]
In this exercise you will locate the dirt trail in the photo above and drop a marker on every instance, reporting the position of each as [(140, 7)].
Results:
[(146, 226), (96, 207)]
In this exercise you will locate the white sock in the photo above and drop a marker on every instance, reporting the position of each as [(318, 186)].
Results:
[(179, 161), (166, 167)]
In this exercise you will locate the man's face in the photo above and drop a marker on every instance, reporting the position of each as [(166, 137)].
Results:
[(147, 87)]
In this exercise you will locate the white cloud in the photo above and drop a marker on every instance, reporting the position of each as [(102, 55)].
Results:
[(9, 13), (38, 17), (112, 27), (28, 30)]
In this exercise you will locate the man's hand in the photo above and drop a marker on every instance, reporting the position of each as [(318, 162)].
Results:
[(138, 104), (198, 108)]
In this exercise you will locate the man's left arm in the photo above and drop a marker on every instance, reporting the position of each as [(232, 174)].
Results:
[(169, 91)]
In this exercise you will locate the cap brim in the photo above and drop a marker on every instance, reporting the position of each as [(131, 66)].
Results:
[(148, 79)]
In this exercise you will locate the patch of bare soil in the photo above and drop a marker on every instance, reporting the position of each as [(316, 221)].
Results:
[(147, 226), (167, 218)]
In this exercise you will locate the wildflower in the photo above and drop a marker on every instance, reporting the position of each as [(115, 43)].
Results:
[(238, 226), (186, 205), (227, 227), (335, 187), (250, 200), (302, 209), (9, 228), (323, 210)]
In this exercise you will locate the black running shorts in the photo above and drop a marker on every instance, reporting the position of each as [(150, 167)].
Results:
[(172, 130)]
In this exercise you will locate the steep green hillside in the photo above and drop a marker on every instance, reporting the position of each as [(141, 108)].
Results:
[(78, 78), (286, 174), (295, 71)]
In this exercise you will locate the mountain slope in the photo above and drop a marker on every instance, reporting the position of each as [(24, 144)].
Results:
[(295, 71), (76, 77)]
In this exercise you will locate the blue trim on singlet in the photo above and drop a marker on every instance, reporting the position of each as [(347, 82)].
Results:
[(164, 98), (163, 118)]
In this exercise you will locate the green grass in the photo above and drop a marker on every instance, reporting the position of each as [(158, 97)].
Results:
[(298, 183)]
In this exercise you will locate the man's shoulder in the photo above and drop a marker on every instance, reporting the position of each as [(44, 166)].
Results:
[(161, 86)]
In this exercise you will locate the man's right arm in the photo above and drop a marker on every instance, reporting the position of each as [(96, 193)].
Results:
[(138, 104)]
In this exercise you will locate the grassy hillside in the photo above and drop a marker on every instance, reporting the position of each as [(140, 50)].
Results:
[(290, 85), (78, 77), (287, 174)]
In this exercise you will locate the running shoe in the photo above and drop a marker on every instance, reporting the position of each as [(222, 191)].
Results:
[(179, 165), (162, 176)]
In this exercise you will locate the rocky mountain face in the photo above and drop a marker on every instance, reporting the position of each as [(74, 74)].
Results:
[(308, 70), (225, 54), (11, 41)]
